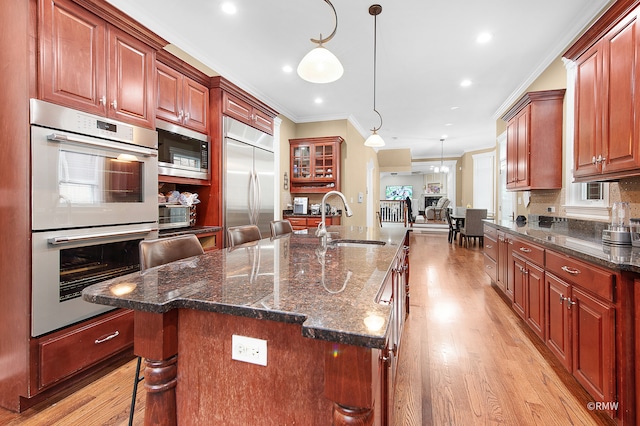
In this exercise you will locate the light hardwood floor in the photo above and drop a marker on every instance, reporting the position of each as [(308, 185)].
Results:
[(466, 359)]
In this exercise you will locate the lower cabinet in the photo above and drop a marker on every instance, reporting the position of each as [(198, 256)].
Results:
[(300, 222), (581, 322)]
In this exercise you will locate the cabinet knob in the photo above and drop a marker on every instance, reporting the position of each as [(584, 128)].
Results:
[(180, 115), (562, 298), (570, 302), (525, 250), (593, 160), (103, 100), (114, 104)]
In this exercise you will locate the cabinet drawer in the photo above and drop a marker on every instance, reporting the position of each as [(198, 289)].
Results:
[(69, 351), (528, 251), (297, 221), (490, 267), (313, 222), (490, 246), (490, 232), (599, 281)]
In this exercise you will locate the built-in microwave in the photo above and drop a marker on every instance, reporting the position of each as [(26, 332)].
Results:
[(182, 152)]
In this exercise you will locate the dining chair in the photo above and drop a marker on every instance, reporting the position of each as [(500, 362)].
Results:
[(453, 226), (155, 253), (280, 227), (473, 226), (237, 235)]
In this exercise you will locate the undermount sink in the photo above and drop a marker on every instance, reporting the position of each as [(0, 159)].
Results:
[(356, 243)]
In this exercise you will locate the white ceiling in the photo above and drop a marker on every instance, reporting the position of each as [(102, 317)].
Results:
[(425, 48)]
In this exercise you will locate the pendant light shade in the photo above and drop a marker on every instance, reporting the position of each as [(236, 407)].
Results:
[(320, 65), (375, 140)]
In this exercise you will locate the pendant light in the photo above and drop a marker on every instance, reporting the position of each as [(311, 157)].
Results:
[(375, 140), (442, 168), (320, 65)]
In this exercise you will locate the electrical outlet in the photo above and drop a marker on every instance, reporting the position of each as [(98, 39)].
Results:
[(248, 349), (360, 197), (551, 209)]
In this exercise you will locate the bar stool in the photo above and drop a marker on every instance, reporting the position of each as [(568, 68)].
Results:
[(280, 227), (237, 235), (155, 253)]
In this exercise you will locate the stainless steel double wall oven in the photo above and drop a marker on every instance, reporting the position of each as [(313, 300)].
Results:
[(94, 198)]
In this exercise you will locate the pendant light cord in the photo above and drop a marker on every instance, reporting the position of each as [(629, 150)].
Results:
[(375, 11)]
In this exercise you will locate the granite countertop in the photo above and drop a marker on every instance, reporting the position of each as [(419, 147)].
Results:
[(576, 239), (288, 279)]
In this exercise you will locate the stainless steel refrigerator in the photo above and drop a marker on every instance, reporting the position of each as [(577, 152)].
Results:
[(249, 177)]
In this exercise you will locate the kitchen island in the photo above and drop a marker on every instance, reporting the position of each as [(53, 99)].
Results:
[(328, 324)]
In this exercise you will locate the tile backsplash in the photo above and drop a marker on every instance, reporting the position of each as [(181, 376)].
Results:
[(623, 190)]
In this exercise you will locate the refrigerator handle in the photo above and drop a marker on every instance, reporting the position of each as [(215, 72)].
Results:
[(251, 197), (258, 204)]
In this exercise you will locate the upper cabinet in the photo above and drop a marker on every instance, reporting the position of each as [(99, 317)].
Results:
[(246, 113), (90, 65), (315, 164), (607, 130), (180, 99), (534, 141)]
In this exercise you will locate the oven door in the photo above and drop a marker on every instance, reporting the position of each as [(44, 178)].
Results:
[(67, 261), (80, 181)]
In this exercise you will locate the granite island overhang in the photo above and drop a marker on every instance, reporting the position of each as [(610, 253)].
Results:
[(331, 297)]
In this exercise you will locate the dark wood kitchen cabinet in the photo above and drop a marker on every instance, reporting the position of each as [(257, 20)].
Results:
[(247, 113), (607, 100), (315, 164), (581, 322), (534, 141), (527, 264), (93, 66), (180, 99)]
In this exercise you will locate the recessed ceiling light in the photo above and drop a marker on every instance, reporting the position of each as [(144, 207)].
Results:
[(444, 136), (465, 83), (448, 124), (318, 100), (229, 8), (453, 108), (287, 68), (484, 37)]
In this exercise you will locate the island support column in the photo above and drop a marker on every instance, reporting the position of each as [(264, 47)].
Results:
[(352, 382), (156, 340)]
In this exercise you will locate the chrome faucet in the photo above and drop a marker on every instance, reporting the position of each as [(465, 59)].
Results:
[(321, 232)]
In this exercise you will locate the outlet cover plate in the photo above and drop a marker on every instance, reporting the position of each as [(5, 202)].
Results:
[(249, 349)]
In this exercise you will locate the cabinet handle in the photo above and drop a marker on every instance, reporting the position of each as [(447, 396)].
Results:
[(180, 115), (114, 104), (103, 100), (489, 266), (525, 250), (488, 246), (109, 337), (186, 116), (593, 160), (600, 159), (570, 302), (572, 271)]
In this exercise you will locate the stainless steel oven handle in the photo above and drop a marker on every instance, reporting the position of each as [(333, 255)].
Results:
[(56, 137), (74, 239)]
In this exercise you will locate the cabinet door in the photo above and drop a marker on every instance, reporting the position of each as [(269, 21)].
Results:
[(72, 48), (196, 106), (262, 121), (522, 148), (621, 83), (169, 94), (535, 299), (323, 157), (130, 80), (593, 350), (300, 162), (588, 126), (519, 285), (234, 107), (512, 153), (558, 324)]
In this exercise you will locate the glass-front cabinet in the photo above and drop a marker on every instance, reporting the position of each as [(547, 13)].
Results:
[(315, 164)]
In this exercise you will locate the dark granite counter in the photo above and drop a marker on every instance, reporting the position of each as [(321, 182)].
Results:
[(289, 279), (578, 238)]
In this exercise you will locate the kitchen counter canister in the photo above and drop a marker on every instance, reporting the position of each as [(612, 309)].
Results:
[(285, 279)]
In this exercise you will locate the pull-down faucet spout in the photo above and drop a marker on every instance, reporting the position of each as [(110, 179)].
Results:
[(321, 232)]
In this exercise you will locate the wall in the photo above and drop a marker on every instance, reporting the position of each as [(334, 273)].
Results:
[(354, 163)]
